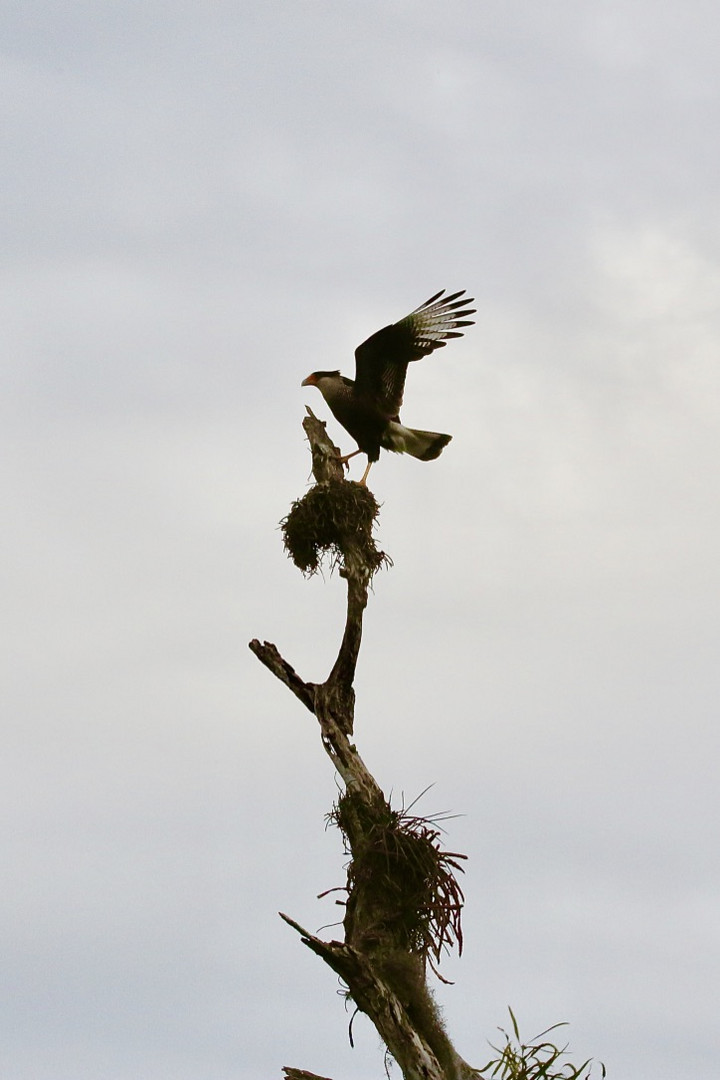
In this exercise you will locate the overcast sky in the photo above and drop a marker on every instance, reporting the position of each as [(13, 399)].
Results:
[(201, 205)]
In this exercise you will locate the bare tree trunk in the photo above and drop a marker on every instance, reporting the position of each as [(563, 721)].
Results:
[(403, 906)]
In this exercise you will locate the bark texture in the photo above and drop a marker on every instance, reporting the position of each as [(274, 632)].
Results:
[(403, 905)]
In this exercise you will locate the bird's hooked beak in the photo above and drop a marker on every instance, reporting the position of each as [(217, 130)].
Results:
[(310, 381)]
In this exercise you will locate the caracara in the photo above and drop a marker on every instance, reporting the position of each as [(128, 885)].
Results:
[(369, 407)]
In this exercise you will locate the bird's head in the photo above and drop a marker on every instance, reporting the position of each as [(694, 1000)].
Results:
[(318, 379), (317, 376)]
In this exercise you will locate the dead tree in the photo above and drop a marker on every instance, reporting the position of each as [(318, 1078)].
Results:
[(403, 898)]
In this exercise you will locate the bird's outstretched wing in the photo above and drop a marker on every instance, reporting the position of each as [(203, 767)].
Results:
[(381, 361)]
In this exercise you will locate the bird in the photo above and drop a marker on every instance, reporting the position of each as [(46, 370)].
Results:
[(369, 407)]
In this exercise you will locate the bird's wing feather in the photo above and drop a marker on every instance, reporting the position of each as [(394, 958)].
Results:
[(381, 361)]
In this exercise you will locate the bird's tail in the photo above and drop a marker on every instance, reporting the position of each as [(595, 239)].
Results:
[(424, 445)]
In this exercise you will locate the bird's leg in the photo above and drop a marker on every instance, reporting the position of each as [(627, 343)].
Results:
[(365, 474)]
